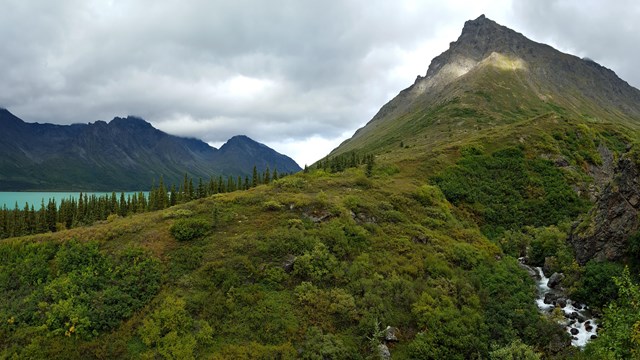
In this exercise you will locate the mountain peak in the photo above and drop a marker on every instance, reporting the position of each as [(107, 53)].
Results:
[(479, 39), (241, 141), (130, 122), (240, 138), (491, 59), (482, 36), (480, 21)]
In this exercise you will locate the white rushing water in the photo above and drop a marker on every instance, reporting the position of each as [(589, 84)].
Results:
[(576, 319)]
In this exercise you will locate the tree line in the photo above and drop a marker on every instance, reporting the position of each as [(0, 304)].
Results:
[(344, 161), (89, 208)]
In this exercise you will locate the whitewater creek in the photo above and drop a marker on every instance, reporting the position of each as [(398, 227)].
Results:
[(576, 318)]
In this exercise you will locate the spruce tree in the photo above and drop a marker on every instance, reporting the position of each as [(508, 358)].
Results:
[(163, 197), (51, 215), (267, 176), (254, 179), (191, 190), (369, 169), (123, 207), (221, 188), (201, 189), (173, 199), (113, 208)]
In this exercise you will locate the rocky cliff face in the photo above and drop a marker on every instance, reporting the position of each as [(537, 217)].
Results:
[(604, 233)]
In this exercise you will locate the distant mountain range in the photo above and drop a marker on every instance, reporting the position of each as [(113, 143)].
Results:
[(123, 154)]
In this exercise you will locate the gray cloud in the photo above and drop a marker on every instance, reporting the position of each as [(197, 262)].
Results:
[(279, 71), (605, 31)]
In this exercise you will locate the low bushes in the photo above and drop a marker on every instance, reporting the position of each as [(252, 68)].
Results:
[(189, 229)]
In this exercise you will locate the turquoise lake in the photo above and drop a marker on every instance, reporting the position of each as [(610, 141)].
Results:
[(9, 199)]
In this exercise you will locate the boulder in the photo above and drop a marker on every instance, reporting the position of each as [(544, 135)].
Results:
[(555, 279), (550, 298), (562, 302), (288, 263), (532, 272), (391, 334), (365, 218), (589, 328), (577, 316), (574, 331), (593, 337), (319, 216), (561, 162), (420, 239), (383, 352)]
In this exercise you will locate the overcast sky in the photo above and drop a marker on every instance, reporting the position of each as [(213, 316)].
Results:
[(299, 76)]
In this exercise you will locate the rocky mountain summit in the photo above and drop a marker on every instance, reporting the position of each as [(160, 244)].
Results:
[(502, 75)]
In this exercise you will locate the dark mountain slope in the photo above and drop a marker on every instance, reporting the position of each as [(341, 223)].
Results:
[(124, 154)]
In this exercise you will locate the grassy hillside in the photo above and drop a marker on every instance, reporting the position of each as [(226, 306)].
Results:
[(314, 265), (318, 264)]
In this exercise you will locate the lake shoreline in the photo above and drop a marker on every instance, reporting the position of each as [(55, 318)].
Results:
[(9, 199)]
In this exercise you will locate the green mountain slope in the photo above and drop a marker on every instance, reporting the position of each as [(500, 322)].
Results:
[(404, 240)]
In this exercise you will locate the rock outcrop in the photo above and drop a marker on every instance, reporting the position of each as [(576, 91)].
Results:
[(604, 234)]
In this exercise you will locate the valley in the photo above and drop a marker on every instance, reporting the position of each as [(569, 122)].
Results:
[(404, 242)]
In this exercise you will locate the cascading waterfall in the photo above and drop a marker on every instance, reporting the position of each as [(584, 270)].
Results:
[(576, 318)]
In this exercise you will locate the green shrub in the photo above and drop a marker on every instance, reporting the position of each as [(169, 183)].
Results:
[(428, 195), (171, 333), (618, 336), (189, 229), (515, 350), (318, 265), (272, 205), (174, 214), (596, 287), (550, 242), (352, 202), (509, 191), (74, 289), (319, 346)]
